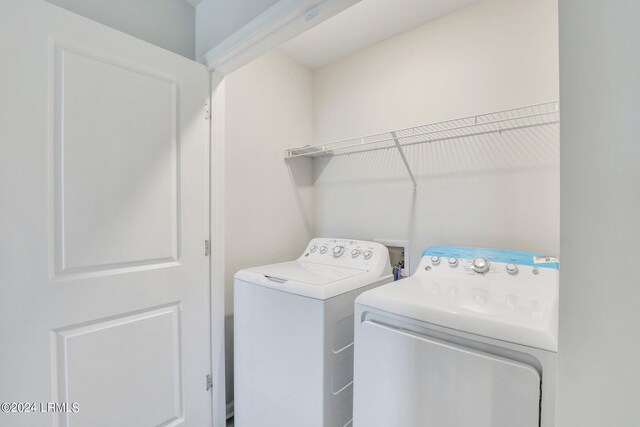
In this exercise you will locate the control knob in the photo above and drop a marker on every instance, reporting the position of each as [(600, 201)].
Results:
[(323, 249), (367, 254), (511, 268), (355, 253), (338, 250), (313, 248), (453, 262), (481, 265), (435, 260)]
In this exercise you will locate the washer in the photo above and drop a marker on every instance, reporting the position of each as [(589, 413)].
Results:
[(293, 333), (469, 340)]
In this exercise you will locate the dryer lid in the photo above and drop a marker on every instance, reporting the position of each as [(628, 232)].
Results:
[(528, 319)]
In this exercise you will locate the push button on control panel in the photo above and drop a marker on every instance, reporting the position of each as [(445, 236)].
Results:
[(511, 301), (480, 296)]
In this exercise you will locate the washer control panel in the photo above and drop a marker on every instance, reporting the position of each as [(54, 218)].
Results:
[(345, 252)]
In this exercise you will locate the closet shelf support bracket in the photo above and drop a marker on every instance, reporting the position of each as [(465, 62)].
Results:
[(404, 159)]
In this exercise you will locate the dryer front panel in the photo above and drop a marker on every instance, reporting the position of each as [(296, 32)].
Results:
[(406, 379)]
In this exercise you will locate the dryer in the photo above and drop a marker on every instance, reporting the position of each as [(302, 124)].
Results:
[(293, 333), (469, 340)]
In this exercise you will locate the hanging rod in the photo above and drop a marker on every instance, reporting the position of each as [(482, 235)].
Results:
[(496, 122)]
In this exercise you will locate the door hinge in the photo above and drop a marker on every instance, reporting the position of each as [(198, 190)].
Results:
[(207, 111), (209, 382), (207, 248)]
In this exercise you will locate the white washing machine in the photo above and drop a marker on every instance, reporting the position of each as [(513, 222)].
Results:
[(293, 332), (469, 340)]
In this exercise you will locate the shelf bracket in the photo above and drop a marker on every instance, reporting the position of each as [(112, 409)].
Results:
[(404, 159)]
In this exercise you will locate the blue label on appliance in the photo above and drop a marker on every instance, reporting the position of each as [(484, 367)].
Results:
[(495, 255)]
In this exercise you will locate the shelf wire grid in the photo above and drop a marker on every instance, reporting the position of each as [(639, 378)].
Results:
[(497, 122)]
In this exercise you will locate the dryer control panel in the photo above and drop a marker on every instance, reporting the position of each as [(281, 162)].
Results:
[(454, 261), (519, 286), (346, 252), (507, 295)]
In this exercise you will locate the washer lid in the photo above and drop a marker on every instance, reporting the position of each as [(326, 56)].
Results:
[(309, 279), (310, 273), (327, 268)]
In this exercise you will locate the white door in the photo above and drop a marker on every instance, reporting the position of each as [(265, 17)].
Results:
[(104, 294), (409, 380)]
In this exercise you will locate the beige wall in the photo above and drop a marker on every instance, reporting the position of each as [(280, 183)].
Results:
[(267, 203), (600, 233), (495, 191)]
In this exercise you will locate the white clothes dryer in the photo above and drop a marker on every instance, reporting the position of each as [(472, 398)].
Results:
[(469, 340), (293, 333)]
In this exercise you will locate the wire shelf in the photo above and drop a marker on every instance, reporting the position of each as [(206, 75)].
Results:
[(497, 122), (500, 121)]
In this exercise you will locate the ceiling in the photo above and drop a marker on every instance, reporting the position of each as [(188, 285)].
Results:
[(362, 25)]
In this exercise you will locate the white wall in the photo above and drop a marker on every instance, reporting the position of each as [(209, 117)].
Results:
[(500, 191), (600, 233), (268, 203), (169, 24), (218, 19)]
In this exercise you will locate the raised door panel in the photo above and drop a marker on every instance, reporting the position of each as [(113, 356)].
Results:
[(124, 370), (115, 163)]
